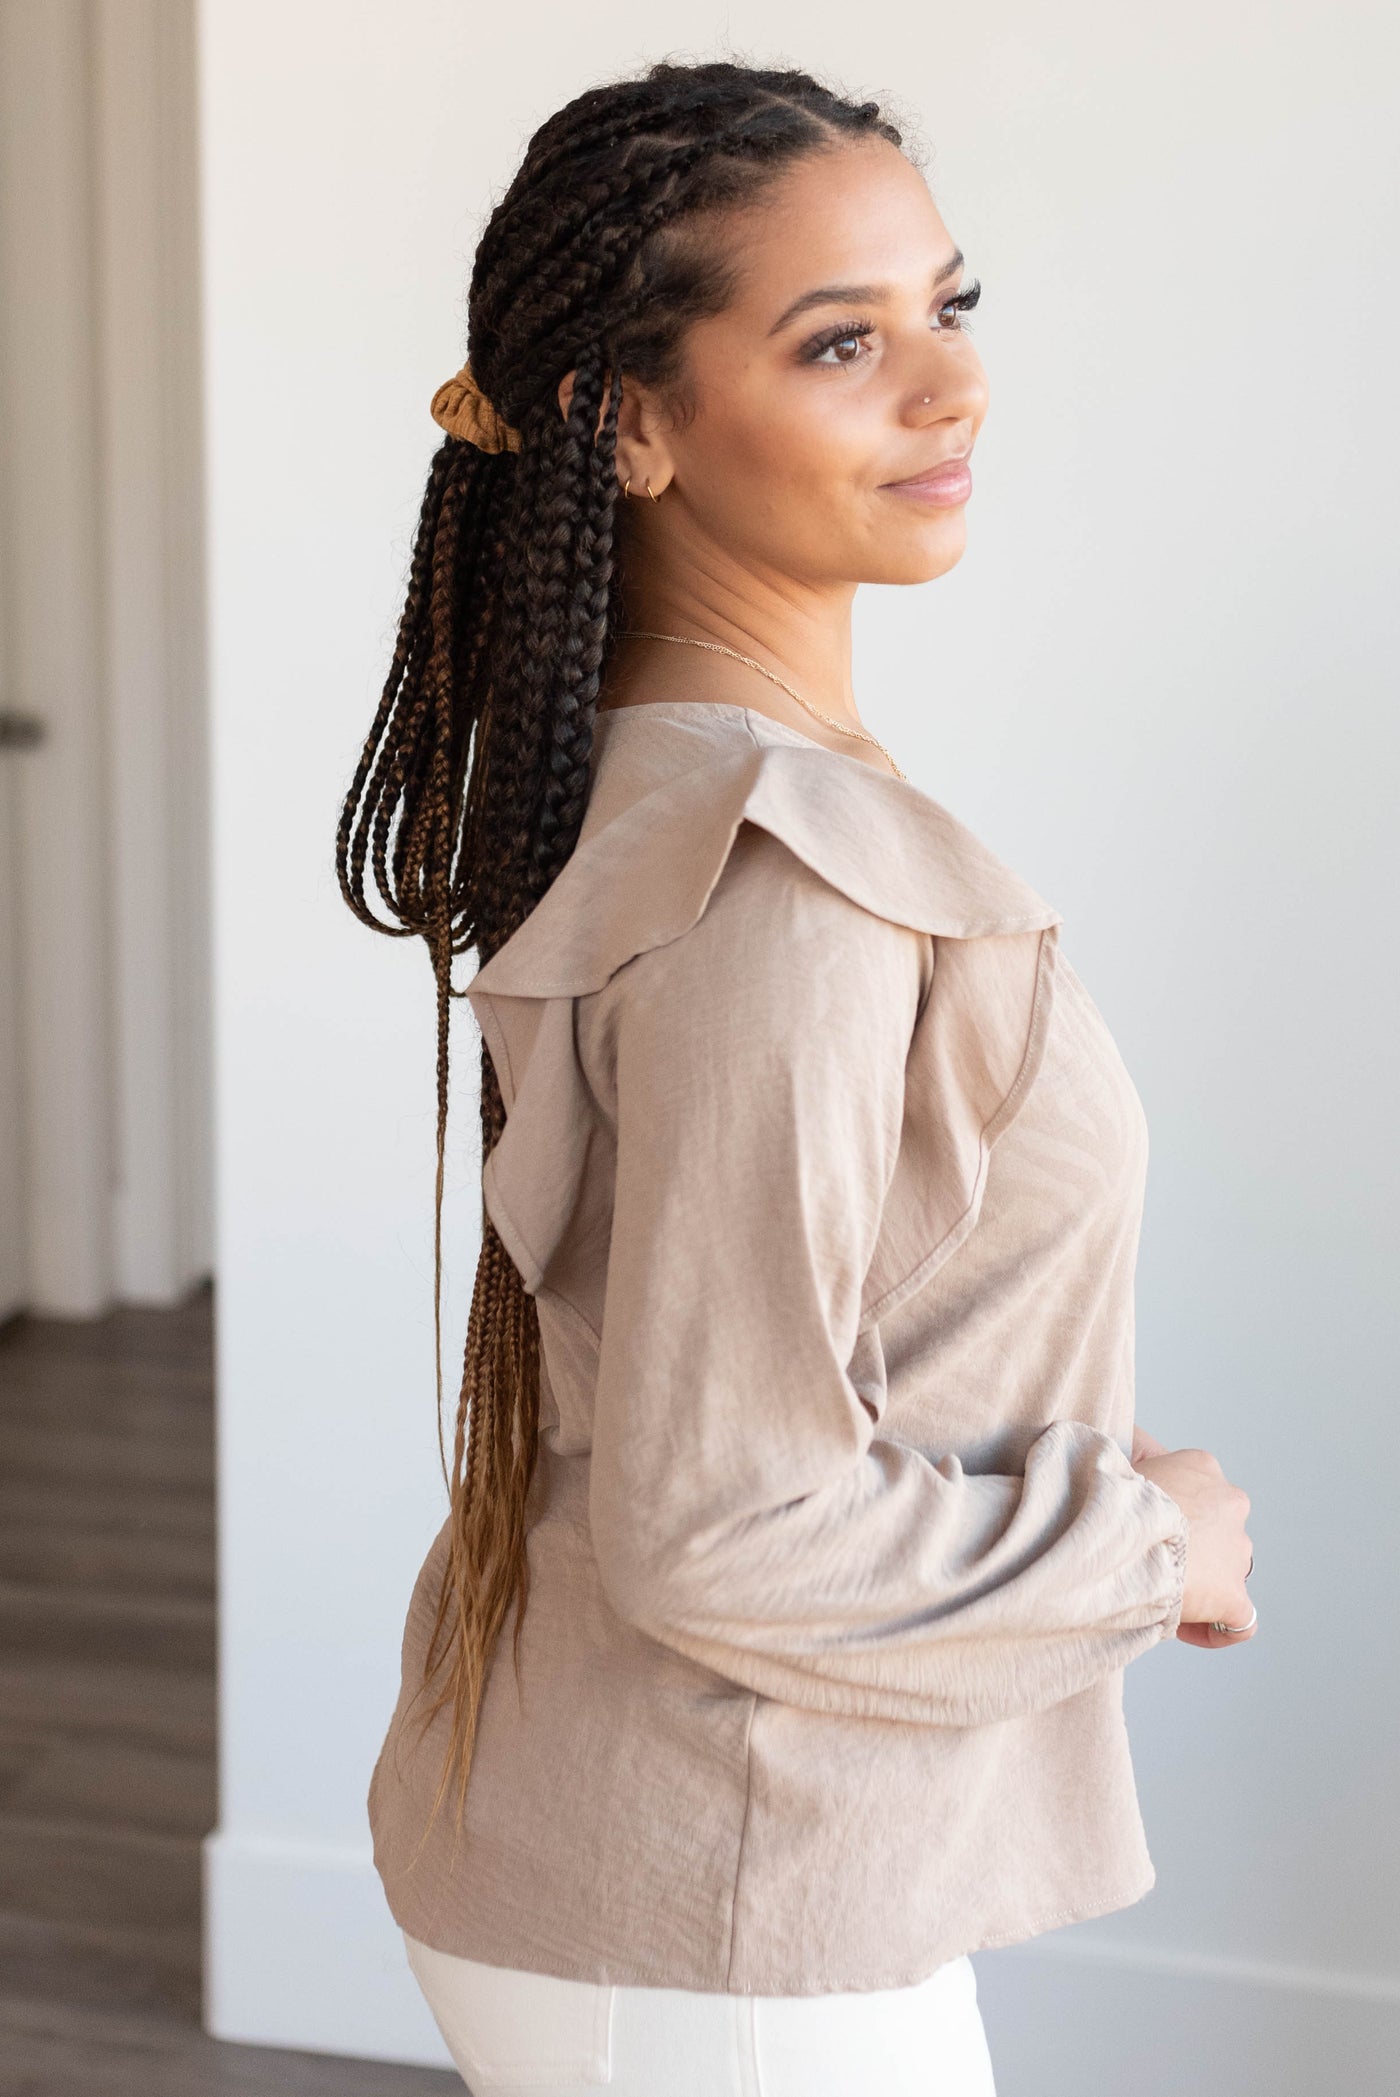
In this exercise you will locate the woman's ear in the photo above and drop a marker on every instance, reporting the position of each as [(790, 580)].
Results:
[(639, 449), (566, 394)]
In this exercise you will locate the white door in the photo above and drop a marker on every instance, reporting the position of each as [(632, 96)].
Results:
[(103, 911)]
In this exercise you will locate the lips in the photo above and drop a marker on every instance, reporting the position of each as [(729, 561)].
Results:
[(939, 487), (947, 471)]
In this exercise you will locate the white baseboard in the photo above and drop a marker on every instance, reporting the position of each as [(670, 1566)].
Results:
[(1074, 2014), (300, 1950)]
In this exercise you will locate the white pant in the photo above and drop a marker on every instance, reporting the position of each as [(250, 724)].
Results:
[(510, 2030)]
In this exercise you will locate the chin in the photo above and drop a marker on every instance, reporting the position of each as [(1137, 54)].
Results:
[(923, 557)]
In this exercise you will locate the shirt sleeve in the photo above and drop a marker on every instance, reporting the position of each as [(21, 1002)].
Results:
[(744, 1510)]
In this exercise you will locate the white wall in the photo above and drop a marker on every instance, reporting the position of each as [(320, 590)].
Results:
[(1161, 684)]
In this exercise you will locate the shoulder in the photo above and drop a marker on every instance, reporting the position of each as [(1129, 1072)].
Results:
[(771, 912), (783, 850), (776, 932)]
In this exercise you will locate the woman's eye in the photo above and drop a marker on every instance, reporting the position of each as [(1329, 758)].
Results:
[(963, 303), (848, 338), (819, 351)]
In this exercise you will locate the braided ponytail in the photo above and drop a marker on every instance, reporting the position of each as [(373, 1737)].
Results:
[(471, 788)]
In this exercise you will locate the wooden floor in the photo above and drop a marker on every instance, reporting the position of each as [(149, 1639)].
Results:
[(107, 1737)]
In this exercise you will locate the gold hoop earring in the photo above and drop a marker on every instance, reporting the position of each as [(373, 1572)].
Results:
[(627, 485), (654, 496)]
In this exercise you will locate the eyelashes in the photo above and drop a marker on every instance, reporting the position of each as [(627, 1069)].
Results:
[(966, 299), (856, 329)]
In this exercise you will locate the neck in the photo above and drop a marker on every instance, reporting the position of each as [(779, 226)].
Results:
[(804, 638)]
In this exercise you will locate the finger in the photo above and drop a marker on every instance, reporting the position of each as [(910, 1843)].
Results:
[(1207, 1635)]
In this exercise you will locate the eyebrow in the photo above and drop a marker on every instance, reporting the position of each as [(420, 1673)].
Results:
[(851, 294)]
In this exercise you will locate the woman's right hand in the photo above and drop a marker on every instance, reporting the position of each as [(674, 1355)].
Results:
[(1218, 1546)]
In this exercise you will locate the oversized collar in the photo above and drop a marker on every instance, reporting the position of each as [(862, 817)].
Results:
[(672, 782)]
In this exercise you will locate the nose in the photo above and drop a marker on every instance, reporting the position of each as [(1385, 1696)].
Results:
[(954, 386)]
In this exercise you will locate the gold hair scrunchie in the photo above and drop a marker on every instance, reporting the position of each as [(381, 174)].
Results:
[(462, 409)]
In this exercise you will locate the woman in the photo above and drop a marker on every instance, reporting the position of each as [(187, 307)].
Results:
[(798, 1389)]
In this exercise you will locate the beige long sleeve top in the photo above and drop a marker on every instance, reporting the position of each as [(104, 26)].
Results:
[(826, 1176)]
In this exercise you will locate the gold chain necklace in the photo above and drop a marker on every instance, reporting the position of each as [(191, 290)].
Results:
[(639, 634)]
